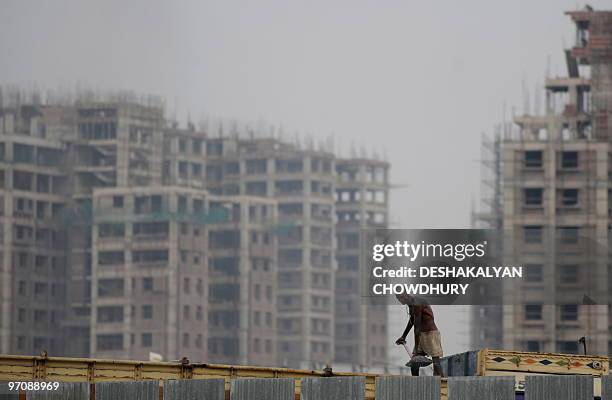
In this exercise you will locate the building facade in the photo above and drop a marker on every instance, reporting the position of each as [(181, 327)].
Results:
[(362, 206), (302, 182), (181, 273), (111, 144), (552, 201), (33, 181), (243, 294), (115, 190)]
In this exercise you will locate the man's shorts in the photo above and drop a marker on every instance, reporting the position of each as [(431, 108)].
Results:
[(430, 344)]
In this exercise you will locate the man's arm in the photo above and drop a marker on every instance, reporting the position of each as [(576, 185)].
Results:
[(402, 339)]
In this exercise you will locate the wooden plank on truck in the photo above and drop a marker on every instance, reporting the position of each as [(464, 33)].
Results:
[(546, 363)]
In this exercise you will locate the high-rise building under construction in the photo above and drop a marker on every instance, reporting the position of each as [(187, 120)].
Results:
[(126, 235), (549, 193)]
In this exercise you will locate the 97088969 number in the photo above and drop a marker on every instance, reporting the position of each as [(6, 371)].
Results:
[(33, 386)]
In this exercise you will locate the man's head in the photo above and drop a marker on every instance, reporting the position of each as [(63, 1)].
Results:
[(404, 298)]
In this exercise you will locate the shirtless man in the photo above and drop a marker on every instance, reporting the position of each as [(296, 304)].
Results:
[(426, 335)]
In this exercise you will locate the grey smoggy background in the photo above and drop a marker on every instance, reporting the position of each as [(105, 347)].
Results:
[(419, 79), (591, 286)]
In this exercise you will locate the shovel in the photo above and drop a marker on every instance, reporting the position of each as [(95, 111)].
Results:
[(416, 361)]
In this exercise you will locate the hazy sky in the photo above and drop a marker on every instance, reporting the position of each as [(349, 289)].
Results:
[(421, 79)]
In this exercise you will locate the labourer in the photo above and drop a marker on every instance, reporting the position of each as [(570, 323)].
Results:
[(426, 335)]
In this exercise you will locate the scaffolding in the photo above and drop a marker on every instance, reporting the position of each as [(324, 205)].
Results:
[(575, 124)]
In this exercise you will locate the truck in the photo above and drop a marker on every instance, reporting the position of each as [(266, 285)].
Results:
[(484, 362)]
